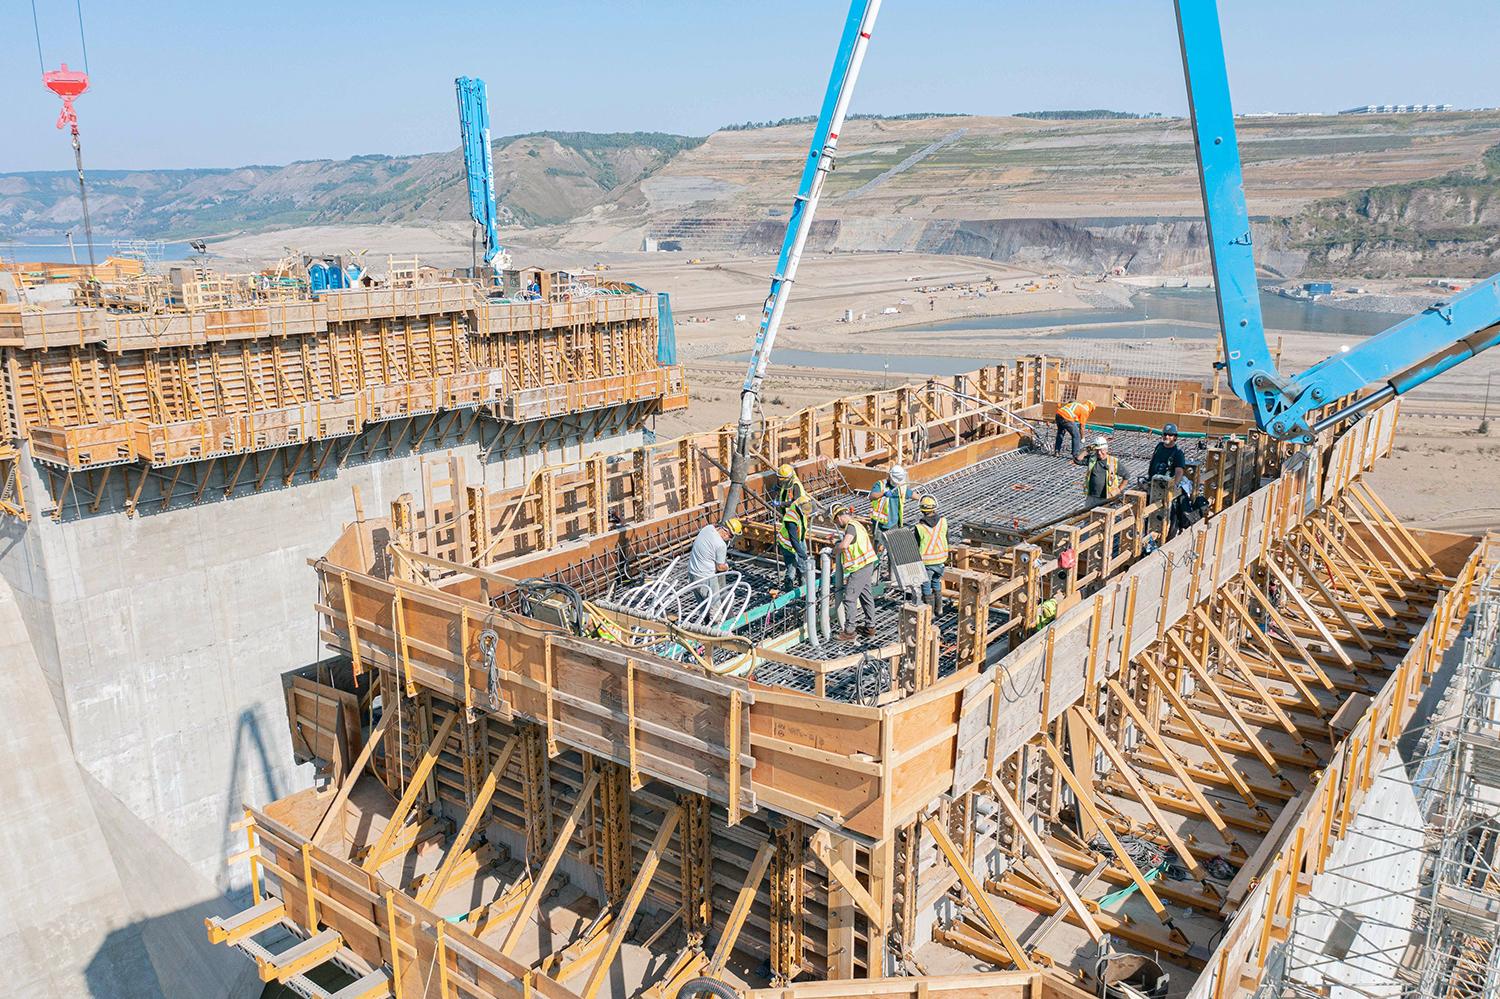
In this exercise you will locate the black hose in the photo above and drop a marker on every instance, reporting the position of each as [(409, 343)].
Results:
[(538, 585), (706, 987)]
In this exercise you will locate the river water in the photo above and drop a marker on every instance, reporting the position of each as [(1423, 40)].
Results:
[(1155, 314)]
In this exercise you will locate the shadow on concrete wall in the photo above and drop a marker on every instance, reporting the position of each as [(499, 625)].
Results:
[(247, 738)]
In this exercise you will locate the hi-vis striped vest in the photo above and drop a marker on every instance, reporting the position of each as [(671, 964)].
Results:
[(859, 552), (934, 542), (884, 513), (1074, 412), (1112, 478)]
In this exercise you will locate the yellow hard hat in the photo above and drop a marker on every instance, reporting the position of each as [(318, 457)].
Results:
[(838, 511), (929, 503), (785, 472), (735, 525)]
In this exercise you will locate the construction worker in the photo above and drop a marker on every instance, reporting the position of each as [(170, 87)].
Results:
[(1071, 419), (791, 492), (857, 557), (932, 539), (710, 555), (1168, 460), (1104, 477), (791, 539), (888, 499)]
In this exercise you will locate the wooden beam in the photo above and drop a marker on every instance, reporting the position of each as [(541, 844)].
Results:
[(633, 900), (1285, 627), (1173, 763), (741, 909), (409, 798), (821, 846), (1274, 654), (977, 895), (1049, 866), (1375, 562), (434, 889), (1229, 649), (1139, 790), (1314, 618), (337, 807), (1205, 739), (1398, 529), (1328, 596), (1084, 795), (554, 856), (1334, 551)]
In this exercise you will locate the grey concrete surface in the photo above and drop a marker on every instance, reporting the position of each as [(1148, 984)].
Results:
[(147, 654)]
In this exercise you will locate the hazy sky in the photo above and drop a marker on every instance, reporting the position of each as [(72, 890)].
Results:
[(211, 83)]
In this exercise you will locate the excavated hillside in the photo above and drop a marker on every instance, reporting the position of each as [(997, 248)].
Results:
[(541, 179), (1083, 195), (1341, 195)]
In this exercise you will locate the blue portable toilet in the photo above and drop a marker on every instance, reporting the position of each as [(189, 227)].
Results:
[(317, 278), (666, 331)]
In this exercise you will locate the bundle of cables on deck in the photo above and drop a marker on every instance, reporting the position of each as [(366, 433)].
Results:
[(675, 616)]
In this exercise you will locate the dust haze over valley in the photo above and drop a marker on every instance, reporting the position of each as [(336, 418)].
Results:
[(926, 220)]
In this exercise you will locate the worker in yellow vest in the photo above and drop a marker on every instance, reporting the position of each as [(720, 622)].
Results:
[(888, 500), (791, 540), (1104, 478), (932, 540), (1072, 419), (857, 558)]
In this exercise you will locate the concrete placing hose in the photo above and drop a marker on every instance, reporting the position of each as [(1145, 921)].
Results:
[(695, 987)]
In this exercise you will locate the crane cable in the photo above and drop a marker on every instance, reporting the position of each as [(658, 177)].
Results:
[(36, 28)]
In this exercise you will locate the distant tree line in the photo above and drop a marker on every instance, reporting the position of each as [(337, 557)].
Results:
[(808, 119), (1085, 113)]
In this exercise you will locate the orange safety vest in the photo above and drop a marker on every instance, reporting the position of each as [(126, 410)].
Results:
[(934, 542), (1075, 412), (860, 552)]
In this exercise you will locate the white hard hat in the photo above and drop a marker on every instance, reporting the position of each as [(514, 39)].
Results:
[(898, 475), (1101, 442)]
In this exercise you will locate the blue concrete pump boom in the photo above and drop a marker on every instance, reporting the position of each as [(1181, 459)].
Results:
[(1397, 360), (474, 130), (820, 162)]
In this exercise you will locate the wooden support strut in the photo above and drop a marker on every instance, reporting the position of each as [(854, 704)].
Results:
[(633, 901), (1173, 763), (1085, 798), (977, 895), (409, 797), (336, 808), (1205, 738), (741, 909), (1142, 794), (544, 875), (1049, 866), (433, 890)]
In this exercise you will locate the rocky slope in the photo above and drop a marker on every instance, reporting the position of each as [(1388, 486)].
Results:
[(540, 179), (1448, 225)]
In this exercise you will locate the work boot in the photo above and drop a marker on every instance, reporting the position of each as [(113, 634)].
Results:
[(845, 636), (867, 631)]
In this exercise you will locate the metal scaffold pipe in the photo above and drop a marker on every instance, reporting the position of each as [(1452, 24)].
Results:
[(820, 162)]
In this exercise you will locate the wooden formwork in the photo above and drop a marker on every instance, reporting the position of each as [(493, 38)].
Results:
[(92, 389), (1213, 666)]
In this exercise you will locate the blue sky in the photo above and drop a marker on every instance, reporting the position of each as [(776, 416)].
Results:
[(268, 81)]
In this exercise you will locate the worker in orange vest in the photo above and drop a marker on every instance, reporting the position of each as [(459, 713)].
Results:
[(1071, 418)]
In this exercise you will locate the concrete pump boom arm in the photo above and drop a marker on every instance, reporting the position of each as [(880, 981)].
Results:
[(820, 161), (1401, 358)]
